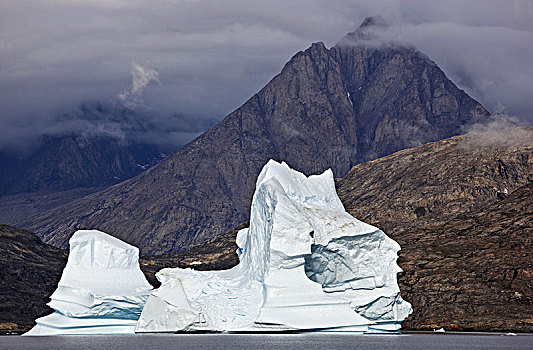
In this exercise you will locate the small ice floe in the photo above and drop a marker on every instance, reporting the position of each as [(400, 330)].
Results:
[(511, 334), (440, 330)]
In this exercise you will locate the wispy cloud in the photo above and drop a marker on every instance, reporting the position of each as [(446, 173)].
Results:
[(132, 98)]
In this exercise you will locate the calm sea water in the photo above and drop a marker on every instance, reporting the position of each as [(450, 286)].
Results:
[(291, 341)]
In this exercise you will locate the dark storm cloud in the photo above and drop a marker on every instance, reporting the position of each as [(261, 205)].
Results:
[(210, 56)]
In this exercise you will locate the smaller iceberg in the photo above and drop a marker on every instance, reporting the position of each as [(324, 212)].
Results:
[(102, 289)]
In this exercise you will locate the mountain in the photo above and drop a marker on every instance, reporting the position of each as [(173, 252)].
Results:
[(328, 108), (74, 161), (440, 179), (93, 147), (63, 168)]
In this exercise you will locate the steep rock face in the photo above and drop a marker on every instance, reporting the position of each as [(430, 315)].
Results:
[(328, 108), (401, 99)]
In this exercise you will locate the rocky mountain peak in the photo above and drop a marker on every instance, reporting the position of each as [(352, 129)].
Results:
[(373, 21), (328, 108), (364, 32)]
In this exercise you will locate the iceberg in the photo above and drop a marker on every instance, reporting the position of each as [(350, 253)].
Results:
[(305, 264), (101, 291)]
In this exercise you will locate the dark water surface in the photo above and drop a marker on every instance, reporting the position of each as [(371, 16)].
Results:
[(289, 342)]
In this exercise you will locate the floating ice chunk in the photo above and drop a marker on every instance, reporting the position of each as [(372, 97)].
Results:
[(102, 289)]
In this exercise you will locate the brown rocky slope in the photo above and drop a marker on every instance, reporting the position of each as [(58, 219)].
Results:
[(462, 211), (439, 179), (473, 272)]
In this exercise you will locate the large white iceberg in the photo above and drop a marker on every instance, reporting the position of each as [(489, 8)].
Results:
[(305, 264), (102, 289)]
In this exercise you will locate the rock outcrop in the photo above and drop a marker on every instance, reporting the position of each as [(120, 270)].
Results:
[(439, 180), (473, 272), (462, 210)]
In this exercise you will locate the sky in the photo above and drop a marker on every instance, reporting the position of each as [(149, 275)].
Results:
[(182, 65)]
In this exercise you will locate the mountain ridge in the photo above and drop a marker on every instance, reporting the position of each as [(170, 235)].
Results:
[(65, 162)]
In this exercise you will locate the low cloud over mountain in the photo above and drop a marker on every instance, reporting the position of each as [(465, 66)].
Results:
[(205, 58)]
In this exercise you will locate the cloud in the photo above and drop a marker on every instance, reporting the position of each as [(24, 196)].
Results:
[(497, 134), (210, 56), (132, 98)]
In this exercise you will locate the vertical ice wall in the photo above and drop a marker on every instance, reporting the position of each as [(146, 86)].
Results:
[(304, 264), (102, 289)]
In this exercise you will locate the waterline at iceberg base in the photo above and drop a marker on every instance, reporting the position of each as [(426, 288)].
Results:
[(305, 265)]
